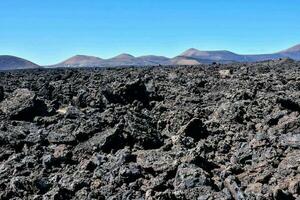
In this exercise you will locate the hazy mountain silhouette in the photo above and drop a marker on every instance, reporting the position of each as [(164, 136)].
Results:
[(293, 52), (81, 61), (120, 60), (211, 55), (12, 62), (189, 57)]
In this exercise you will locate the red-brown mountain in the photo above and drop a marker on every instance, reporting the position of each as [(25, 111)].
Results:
[(189, 57)]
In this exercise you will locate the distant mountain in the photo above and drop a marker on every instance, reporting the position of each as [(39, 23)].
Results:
[(123, 56), (292, 49), (129, 60), (120, 60), (212, 55), (12, 62), (227, 56), (189, 57), (293, 52), (184, 60), (81, 61), (153, 60)]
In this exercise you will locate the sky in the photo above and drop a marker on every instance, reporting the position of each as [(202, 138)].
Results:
[(50, 31)]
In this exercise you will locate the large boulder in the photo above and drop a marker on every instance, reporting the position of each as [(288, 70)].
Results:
[(63, 134), (107, 141), (81, 100), (142, 132), (128, 93), (22, 104)]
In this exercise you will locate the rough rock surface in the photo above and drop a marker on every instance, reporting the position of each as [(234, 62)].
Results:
[(151, 133)]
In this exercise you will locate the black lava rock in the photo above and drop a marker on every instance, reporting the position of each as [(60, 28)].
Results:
[(191, 132)]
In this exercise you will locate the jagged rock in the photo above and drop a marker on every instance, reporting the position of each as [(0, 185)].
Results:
[(225, 73), (190, 176), (62, 153), (42, 184), (63, 135), (289, 104), (130, 172), (142, 132), (81, 100), (294, 186), (280, 194), (291, 161), (157, 160), (22, 105), (135, 90), (255, 188), (58, 193), (110, 140), (1, 93), (87, 165), (291, 140), (151, 133), (234, 189), (73, 113), (48, 161)]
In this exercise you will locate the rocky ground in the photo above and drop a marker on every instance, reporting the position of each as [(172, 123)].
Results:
[(202, 132)]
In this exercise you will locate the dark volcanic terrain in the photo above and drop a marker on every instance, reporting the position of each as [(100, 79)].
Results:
[(203, 132)]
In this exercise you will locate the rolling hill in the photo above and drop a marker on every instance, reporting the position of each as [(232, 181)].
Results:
[(120, 60), (191, 56), (81, 61), (12, 62)]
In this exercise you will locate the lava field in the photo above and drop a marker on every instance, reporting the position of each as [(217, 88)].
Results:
[(229, 131)]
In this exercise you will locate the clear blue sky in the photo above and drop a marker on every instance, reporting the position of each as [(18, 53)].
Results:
[(49, 31)]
